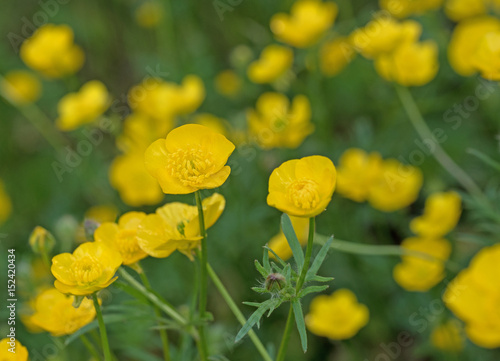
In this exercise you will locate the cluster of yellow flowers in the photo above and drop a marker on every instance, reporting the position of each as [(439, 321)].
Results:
[(441, 214), (386, 184)]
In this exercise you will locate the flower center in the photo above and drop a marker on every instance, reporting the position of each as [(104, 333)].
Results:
[(303, 193), (86, 270), (127, 243), (191, 167)]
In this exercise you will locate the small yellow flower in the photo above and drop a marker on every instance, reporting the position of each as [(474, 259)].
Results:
[(339, 316), (18, 353), (128, 175), (83, 107), (280, 245), (217, 124), (448, 336), (90, 268), (51, 51), (149, 14), (465, 40), (420, 274), (441, 214), (335, 55), (228, 83), (20, 87), (5, 204), (357, 172), (307, 22), (396, 188), (275, 123), (175, 226), (123, 236), (487, 56), (459, 10), (192, 157), (302, 187), (405, 8), (411, 64), (54, 313), (275, 60)]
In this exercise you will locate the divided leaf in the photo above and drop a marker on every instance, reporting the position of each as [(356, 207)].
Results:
[(293, 242)]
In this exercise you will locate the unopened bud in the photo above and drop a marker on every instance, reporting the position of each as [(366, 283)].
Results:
[(41, 241), (275, 282)]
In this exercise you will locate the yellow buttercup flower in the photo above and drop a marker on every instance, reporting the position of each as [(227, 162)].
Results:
[(90, 268), (465, 40), (123, 236), (458, 10), (175, 226), (12, 350), (307, 22), (421, 274), (83, 107), (487, 56), (383, 35), (339, 316), (405, 8), (280, 245), (51, 51), (20, 87), (228, 83), (335, 55), (149, 14), (396, 188), (192, 157), (275, 123), (55, 313), (128, 175), (302, 187), (411, 64), (441, 214), (473, 297), (448, 336), (5, 204), (275, 60), (217, 124), (357, 172)]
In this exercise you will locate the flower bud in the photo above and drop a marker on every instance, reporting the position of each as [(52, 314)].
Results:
[(41, 241), (275, 282)]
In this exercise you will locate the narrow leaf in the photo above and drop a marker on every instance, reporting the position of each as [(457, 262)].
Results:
[(318, 261), (253, 304), (253, 319), (319, 279), (312, 289), (260, 289), (278, 258), (301, 325), (265, 260), (264, 273), (293, 242)]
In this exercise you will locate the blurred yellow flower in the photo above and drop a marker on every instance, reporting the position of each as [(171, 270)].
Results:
[(405, 8), (54, 313), (473, 297), (164, 100), (382, 35), (192, 157), (418, 273), (90, 268), (175, 226), (335, 55), (441, 214), (83, 107), (18, 353), (51, 51), (280, 245), (411, 64), (396, 188), (458, 10), (149, 14), (465, 40), (99, 214), (339, 316), (487, 56), (275, 60), (302, 187), (128, 175), (357, 171), (228, 83), (275, 123), (448, 336), (20, 87), (123, 236), (217, 124), (307, 22), (5, 204)]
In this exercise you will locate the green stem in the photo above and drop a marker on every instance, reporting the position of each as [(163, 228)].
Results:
[(237, 313), (484, 158), (441, 156), (300, 283), (90, 347), (102, 329), (163, 332), (203, 279)]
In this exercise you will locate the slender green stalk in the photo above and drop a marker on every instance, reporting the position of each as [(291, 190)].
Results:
[(163, 332), (203, 279), (102, 329), (90, 347), (300, 283), (484, 158), (237, 313)]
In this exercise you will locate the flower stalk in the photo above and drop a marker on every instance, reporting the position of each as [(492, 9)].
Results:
[(102, 329)]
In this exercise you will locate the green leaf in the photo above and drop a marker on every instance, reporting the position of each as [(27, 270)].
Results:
[(276, 268), (301, 325), (260, 289), (312, 289), (320, 279), (253, 304), (275, 306), (254, 318), (320, 258), (264, 273), (278, 258), (265, 260), (293, 242)]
